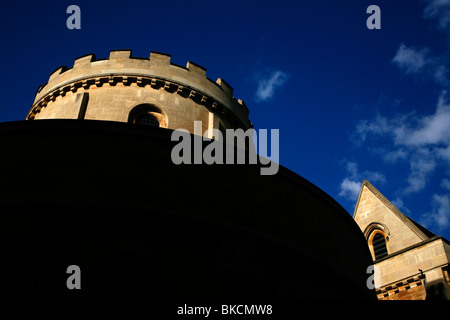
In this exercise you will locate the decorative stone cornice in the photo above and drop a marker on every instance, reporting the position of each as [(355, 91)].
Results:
[(406, 284)]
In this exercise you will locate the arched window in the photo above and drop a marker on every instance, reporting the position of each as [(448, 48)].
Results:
[(148, 114), (377, 235), (379, 246), (147, 119)]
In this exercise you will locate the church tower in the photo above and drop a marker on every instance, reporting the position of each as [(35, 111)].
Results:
[(412, 263)]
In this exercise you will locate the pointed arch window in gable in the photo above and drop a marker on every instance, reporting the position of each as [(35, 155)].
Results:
[(379, 246)]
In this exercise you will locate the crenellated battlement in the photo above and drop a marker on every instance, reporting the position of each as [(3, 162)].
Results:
[(157, 71)]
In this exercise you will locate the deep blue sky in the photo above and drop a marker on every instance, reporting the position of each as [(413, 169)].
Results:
[(350, 103)]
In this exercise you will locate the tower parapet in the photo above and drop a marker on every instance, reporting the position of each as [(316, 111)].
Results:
[(109, 89)]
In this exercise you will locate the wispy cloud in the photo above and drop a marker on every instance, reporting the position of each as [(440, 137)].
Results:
[(398, 203), (351, 185), (433, 129), (440, 213), (445, 184), (349, 189), (392, 156), (411, 60), (410, 130), (439, 10), (268, 83), (422, 166), (420, 62), (422, 140)]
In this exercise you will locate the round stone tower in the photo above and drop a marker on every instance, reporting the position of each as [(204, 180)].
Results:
[(150, 91)]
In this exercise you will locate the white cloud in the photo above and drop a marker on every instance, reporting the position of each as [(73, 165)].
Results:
[(349, 189), (422, 165), (411, 60), (445, 184), (444, 153), (440, 74), (433, 129), (440, 213), (422, 140), (420, 62), (269, 83), (351, 185), (440, 10), (352, 169), (375, 177), (410, 130), (398, 203), (377, 126), (394, 155)]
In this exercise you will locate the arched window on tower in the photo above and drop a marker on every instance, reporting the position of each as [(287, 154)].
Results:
[(379, 246), (148, 114), (147, 119)]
